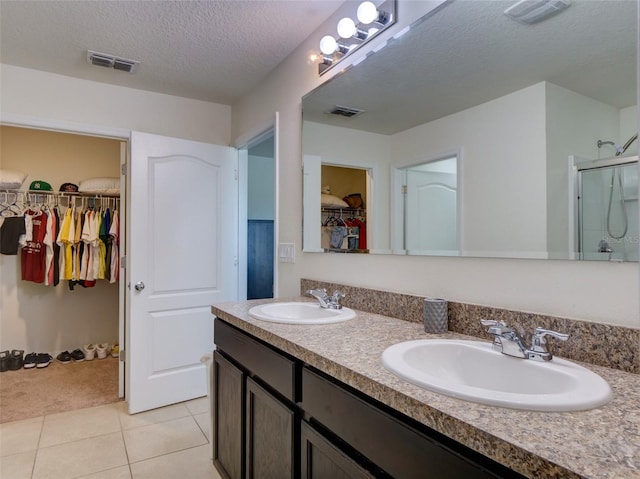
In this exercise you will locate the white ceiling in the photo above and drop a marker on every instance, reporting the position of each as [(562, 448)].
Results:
[(215, 50)]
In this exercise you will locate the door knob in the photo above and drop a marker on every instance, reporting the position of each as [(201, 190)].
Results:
[(139, 286)]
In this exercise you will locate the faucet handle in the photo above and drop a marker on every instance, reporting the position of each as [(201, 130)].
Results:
[(539, 349), (492, 322), (496, 327), (540, 333), (338, 295)]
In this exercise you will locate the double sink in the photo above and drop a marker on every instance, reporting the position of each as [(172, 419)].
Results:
[(469, 370)]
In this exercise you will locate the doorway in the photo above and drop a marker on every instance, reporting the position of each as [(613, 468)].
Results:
[(51, 319), (261, 217)]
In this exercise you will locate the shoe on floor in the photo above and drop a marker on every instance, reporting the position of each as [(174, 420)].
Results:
[(30, 360), (16, 360), (64, 357), (43, 360), (101, 350), (115, 351), (77, 355), (89, 351), (4, 361)]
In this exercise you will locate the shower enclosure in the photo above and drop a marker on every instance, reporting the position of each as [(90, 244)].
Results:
[(608, 209)]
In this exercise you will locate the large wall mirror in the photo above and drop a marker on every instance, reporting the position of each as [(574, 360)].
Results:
[(478, 135)]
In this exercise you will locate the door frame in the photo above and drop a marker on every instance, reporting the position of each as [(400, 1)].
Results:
[(64, 126), (242, 144)]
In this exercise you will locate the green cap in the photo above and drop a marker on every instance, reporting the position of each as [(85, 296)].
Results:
[(39, 185)]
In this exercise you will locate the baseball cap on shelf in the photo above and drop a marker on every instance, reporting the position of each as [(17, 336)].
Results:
[(39, 185), (69, 188)]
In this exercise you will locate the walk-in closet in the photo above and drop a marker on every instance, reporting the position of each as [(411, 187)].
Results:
[(77, 176)]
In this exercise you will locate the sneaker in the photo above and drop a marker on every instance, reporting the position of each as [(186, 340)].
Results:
[(89, 351), (115, 351), (101, 350), (77, 355), (4, 361), (43, 360), (30, 360), (64, 357), (15, 359)]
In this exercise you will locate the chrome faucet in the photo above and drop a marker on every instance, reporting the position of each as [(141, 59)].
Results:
[(507, 341), (326, 301)]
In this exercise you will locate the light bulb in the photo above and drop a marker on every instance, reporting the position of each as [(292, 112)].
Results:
[(328, 45), (367, 12), (346, 27)]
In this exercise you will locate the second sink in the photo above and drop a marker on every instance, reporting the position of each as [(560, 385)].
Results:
[(472, 370), (300, 313)]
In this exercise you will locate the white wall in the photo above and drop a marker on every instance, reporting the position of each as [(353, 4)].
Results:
[(30, 94), (261, 186), (503, 171), (42, 95), (592, 291)]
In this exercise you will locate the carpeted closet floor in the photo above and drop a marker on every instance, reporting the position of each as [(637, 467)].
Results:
[(57, 388)]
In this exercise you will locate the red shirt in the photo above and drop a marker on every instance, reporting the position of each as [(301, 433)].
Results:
[(33, 255)]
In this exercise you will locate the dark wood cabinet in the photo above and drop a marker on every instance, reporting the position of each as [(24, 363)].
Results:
[(277, 418), (228, 418), (270, 435)]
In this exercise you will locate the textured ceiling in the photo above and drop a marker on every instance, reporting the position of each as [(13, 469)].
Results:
[(214, 50), (469, 53)]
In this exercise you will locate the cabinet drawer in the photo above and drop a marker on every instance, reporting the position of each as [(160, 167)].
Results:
[(397, 448), (259, 360)]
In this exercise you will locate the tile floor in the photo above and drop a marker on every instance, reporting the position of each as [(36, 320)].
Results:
[(105, 442)]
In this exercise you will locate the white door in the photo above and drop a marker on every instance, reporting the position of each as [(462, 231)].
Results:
[(181, 258), (431, 212)]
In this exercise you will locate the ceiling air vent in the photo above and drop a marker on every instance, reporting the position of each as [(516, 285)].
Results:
[(345, 111), (110, 61)]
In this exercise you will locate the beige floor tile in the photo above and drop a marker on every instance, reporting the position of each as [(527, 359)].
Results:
[(87, 456), (80, 424), (193, 463), (198, 406), (204, 422), (163, 438), (17, 466), (167, 413), (121, 472), (20, 436)]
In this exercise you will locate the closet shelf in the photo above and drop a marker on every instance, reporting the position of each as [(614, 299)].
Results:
[(60, 193)]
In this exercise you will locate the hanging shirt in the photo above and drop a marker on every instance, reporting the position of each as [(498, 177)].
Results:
[(48, 243), (33, 253), (65, 241), (12, 228), (114, 234)]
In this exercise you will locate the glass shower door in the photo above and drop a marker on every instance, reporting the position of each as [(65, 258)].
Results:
[(609, 213)]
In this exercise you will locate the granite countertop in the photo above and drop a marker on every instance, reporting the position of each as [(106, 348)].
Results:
[(602, 443)]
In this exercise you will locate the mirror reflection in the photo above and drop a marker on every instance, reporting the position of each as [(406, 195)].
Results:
[(523, 109)]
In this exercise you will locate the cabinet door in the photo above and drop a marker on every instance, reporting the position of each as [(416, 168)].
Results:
[(322, 460), (270, 435), (228, 418)]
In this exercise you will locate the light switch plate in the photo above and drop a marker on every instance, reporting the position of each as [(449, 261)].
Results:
[(287, 252)]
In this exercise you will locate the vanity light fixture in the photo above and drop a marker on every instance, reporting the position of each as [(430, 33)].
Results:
[(351, 35), (534, 11)]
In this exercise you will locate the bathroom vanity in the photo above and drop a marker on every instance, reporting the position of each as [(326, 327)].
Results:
[(314, 401)]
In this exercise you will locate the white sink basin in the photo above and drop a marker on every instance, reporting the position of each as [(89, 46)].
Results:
[(474, 371), (300, 313)]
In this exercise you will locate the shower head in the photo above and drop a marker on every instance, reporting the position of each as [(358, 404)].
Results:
[(625, 147), (618, 148)]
